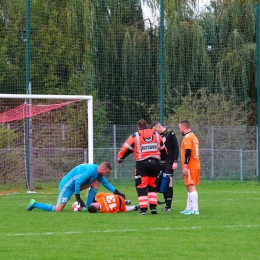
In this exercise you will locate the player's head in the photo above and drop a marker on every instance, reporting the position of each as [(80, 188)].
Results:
[(142, 124), (156, 126), (94, 207), (184, 126), (104, 168)]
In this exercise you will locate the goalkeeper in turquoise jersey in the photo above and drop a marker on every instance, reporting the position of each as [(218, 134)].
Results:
[(79, 178)]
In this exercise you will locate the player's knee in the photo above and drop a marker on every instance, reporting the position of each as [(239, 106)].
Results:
[(59, 207), (95, 184), (191, 188)]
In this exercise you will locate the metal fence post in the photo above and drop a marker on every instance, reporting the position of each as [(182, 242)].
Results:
[(161, 35), (115, 153), (241, 164), (63, 132), (212, 152), (85, 156), (258, 76), (257, 151)]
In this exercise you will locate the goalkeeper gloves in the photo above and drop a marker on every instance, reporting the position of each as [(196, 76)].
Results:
[(79, 200), (119, 193)]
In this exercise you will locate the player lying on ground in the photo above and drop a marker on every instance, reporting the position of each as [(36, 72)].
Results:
[(109, 203), (79, 178)]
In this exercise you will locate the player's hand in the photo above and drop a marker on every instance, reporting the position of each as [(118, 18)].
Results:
[(79, 200), (122, 195), (119, 193), (175, 166), (120, 160), (185, 172)]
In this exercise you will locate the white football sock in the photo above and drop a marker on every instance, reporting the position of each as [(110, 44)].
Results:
[(130, 208), (188, 207), (194, 200)]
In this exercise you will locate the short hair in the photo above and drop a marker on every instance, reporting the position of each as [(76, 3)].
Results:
[(185, 123), (142, 124), (92, 209), (155, 123), (106, 165)]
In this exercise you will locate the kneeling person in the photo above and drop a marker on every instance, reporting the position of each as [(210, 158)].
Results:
[(109, 203), (79, 178)]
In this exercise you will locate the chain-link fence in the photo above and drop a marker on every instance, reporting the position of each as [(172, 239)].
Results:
[(138, 59), (225, 153)]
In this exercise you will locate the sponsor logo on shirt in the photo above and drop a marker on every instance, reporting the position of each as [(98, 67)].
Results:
[(149, 147)]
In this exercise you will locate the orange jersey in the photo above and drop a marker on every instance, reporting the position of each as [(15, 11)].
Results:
[(144, 144), (190, 141), (110, 203)]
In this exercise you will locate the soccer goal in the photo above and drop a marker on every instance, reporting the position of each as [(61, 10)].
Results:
[(42, 137)]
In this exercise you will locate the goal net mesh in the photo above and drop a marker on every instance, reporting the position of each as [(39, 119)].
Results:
[(58, 134)]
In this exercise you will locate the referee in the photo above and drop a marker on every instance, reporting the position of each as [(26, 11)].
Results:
[(171, 162)]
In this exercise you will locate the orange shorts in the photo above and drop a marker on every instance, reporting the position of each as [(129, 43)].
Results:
[(193, 177)]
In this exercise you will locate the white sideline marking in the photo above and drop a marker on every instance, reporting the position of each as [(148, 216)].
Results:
[(178, 201), (127, 230), (46, 233), (238, 191), (31, 191)]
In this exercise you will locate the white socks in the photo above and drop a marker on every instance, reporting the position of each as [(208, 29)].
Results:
[(188, 207), (130, 208), (193, 200)]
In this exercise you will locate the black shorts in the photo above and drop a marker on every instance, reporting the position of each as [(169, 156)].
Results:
[(148, 167), (167, 168)]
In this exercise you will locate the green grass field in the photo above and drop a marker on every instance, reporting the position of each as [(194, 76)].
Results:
[(228, 227)]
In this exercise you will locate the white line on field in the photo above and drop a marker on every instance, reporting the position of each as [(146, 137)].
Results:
[(128, 230), (45, 234), (201, 200), (238, 191)]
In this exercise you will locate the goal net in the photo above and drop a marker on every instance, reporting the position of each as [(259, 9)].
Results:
[(42, 137)]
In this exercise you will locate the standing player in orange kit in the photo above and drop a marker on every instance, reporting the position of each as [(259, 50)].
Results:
[(190, 167)]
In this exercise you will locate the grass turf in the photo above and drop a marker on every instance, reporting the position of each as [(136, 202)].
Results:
[(228, 227)]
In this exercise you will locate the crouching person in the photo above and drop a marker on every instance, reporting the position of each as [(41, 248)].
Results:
[(79, 178)]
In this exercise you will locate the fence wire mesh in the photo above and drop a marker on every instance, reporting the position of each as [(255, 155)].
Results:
[(201, 66), (224, 154)]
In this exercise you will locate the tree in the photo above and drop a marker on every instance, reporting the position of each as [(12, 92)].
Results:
[(214, 50), (205, 108), (124, 66), (12, 47)]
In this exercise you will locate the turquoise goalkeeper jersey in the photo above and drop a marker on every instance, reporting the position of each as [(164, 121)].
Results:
[(82, 175)]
